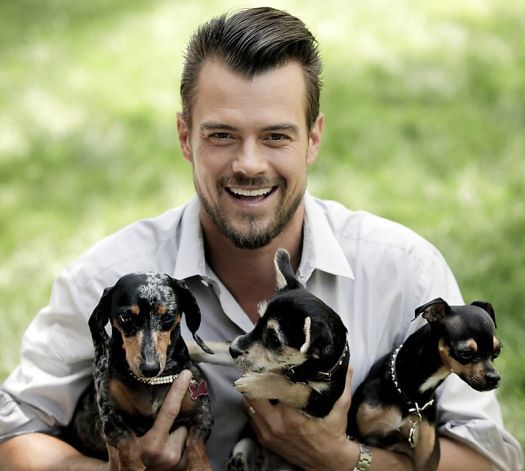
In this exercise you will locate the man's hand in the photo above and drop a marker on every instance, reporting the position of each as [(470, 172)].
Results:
[(159, 449), (308, 442)]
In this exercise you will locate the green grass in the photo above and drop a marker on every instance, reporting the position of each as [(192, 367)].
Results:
[(425, 110)]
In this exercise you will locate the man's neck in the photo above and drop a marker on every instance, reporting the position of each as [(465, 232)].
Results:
[(249, 274)]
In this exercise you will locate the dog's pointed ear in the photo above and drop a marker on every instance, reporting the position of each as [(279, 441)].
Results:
[(486, 307), (320, 343), (191, 309), (307, 335), (284, 273), (100, 315), (433, 311)]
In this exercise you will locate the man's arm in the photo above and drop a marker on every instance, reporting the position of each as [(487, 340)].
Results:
[(38, 451), (159, 449), (456, 455)]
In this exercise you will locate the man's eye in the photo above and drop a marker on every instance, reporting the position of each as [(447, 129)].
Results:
[(220, 136), (276, 139)]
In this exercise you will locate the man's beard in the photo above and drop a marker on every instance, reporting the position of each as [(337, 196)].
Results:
[(255, 236)]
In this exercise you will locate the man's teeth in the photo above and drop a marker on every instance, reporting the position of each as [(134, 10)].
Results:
[(242, 192)]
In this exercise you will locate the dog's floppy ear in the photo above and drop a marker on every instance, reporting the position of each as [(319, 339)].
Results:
[(435, 310), (100, 315), (189, 306), (486, 307), (284, 272)]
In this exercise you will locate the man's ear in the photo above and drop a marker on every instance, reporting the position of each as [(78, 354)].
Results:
[(184, 137), (314, 139)]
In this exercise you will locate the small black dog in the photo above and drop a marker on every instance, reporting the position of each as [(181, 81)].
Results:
[(297, 352), (395, 406), (134, 369)]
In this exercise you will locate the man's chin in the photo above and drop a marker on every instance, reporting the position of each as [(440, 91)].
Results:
[(250, 241)]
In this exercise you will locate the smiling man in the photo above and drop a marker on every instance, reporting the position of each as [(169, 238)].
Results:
[(250, 168), (250, 127)]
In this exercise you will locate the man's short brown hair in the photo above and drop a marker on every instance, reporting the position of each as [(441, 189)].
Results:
[(253, 41)]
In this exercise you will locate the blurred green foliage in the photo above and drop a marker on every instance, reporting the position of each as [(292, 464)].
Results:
[(425, 112)]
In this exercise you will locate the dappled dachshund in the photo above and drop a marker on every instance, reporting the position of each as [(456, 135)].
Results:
[(395, 406), (134, 368), (297, 354)]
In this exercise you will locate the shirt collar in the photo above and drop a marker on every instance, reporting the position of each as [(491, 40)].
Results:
[(321, 250), (190, 257)]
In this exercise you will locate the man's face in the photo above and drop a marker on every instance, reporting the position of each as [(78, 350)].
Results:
[(250, 150)]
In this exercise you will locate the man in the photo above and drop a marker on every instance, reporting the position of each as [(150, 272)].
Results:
[(250, 128)]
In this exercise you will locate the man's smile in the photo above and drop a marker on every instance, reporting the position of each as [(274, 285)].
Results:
[(251, 194)]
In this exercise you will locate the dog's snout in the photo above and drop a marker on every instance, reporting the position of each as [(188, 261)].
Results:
[(234, 351), (150, 368), (492, 379)]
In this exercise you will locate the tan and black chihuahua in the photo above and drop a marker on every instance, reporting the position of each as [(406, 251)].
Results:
[(395, 406), (296, 354)]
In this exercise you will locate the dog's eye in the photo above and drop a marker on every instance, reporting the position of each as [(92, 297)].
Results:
[(272, 339), (125, 318), (466, 355), (497, 351), (167, 319)]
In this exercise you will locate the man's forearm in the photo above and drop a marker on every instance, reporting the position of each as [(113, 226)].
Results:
[(41, 452), (456, 455)]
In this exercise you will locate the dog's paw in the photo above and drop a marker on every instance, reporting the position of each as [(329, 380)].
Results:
[(237, 463), (247, 384)]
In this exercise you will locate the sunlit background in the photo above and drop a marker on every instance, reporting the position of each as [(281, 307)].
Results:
[(425, 112)]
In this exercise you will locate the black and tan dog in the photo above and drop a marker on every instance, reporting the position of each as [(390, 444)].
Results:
[(395, 406), (297, 354), (134, 368)]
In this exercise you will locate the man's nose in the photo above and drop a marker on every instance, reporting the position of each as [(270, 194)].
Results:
[(249, 159)]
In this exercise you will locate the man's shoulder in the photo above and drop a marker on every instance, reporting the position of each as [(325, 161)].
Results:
[(360, 229), (147, 244)]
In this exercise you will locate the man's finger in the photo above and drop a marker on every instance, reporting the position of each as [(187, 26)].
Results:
[(171, 406), (342, 404)]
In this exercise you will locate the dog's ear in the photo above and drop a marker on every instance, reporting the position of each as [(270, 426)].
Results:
[(486, 307), (433, 311), (100, 315), (284, 272), (189, 306), (320, 340), (307, 335)]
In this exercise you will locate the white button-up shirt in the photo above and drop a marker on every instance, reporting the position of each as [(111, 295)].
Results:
[(371, 271)]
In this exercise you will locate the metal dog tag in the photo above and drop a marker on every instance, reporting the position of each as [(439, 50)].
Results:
[(413, 434), (198, 389)]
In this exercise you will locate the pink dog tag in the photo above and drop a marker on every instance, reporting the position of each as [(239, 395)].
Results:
[(198, 389)]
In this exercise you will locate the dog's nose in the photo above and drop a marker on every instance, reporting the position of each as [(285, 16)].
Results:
[(492, 378), (149, 368), (234, 351)]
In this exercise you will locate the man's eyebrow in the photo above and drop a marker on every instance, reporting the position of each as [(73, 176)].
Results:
[(279, 127), (282, 127), (212, 125)]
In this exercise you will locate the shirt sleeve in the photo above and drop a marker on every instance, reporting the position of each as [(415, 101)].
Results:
[(40, 395), (474, 418), (466, 415)]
